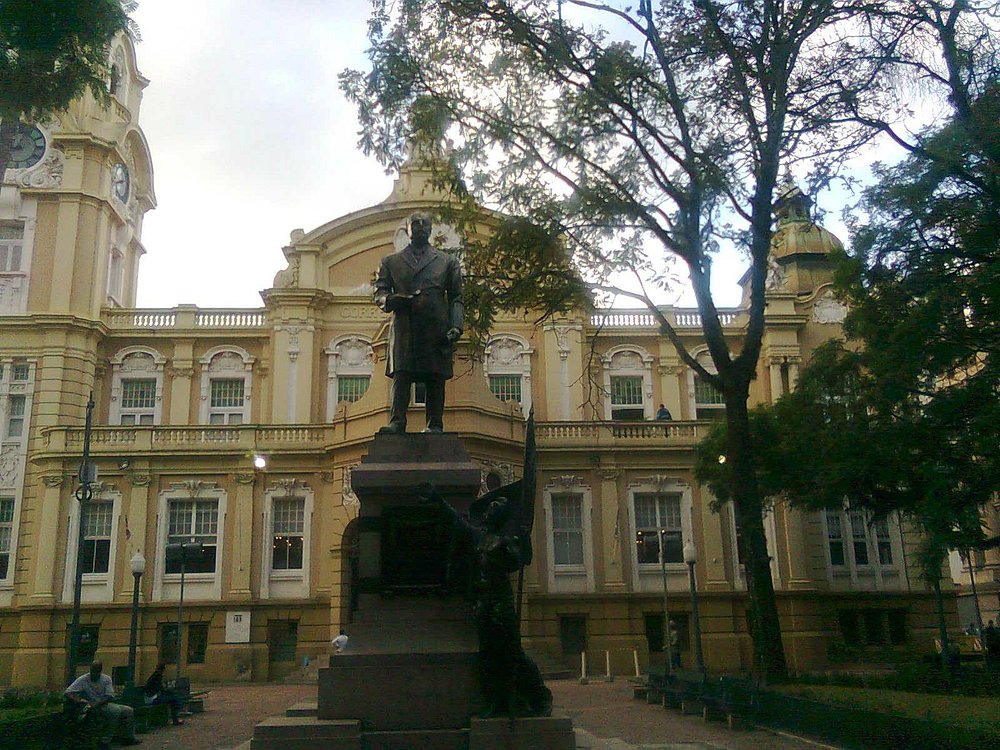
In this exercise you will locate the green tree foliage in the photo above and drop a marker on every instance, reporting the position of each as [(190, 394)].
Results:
[(51, 51), (638, 137)]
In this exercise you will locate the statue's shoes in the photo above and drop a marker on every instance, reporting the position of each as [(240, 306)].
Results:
[(393, 428), (434, 429)]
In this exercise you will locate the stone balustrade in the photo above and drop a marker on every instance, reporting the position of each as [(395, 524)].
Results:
[(250, 438), (643, 318), (181, 317)]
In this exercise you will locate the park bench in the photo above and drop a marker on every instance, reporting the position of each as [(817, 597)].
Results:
[(686, 689), (146, 717), (736, 699)]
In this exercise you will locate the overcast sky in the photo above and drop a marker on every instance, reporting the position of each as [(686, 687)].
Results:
[(251, 138)]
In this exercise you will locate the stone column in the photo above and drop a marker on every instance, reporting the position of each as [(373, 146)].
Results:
[(181, 372), (714, 558), (242, 536), (613, 519), (45, 554), (136, 511)]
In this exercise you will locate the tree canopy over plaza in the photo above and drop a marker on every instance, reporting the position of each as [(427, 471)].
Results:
[(640, 138)]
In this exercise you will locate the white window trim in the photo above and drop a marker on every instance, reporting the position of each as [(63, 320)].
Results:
[(115, 296), (648, 576), (208, 374), (121, 371), (197, 586), (770, 536), (286, 583), (578, 578), (705, 360), (97, 587), (337, 364), (613, 367), (18, 281), (14, 452), (516, 362), (874, 569)]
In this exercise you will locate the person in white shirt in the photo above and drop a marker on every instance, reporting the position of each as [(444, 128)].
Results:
[(94, 692), (340, 642)]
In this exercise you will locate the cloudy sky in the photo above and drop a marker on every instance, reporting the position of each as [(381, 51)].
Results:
[(251, 138)]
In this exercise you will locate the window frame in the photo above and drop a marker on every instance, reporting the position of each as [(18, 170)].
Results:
[(226, 362), (17, 380), (197, 586), (569, 577), (97, 587), (136, 363), (875, 547), (287, 583), (647, 577), (18, 281), (509, 355), (349, 355), (10, 553), (628, 360)]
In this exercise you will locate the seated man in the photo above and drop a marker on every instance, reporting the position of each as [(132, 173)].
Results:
[(94, 693), (156, 694)]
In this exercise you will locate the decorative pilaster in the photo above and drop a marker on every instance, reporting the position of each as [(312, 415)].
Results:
[(45, 554), (242, 536), (613, 525)]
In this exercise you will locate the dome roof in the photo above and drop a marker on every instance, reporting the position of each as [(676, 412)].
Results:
[(797, 233)]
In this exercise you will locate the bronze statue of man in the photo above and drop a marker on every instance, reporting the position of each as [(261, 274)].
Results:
[(422, 288)]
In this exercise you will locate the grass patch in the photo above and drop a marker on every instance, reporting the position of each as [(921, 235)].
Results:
[(977, 713)]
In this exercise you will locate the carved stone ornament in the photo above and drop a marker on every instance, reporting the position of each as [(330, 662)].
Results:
[(625, 361), (192, 486), (181, 372), (243, 477), (141, 480), (776, 276), (328, 477), (227, 362), (288, 486), (505, 351), (53, 480), (8, 465), (288, 277), (828, 311), (350, 499), (662, 482), (138, 362), (10, 293), (608, 475), (566, 480), (503, 470), (48, 173), (355, 352)]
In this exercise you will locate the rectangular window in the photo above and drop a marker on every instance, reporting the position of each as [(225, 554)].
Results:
[(96, 551), (20, 372), (835, 538), (626, 397), (707, 394), (287, 528), (226, 401), (883, 542), (193, 521), (859, 536), (567, 530), (6, 532), (352, 387), (15, 416), (168, 643), (11, 242), (138, 401), (197, 643), (657, 516), (506, 387)]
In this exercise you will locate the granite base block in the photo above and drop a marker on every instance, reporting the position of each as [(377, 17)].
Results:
[(431, 739), (533, 733), (306, 733)]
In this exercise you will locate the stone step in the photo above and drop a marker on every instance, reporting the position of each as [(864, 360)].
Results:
[(284, 727), (431, 739), (305, 708)]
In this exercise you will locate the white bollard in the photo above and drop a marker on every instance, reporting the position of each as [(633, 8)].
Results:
[(607, 667), (635, 661), (583, 668)]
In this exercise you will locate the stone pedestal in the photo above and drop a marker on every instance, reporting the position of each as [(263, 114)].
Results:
[(408, 679)]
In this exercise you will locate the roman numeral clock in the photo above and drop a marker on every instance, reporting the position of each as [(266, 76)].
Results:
[(28, 147)]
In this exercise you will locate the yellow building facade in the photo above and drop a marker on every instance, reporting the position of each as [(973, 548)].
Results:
[(187, 398)]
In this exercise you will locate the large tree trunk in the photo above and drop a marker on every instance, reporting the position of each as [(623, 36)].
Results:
[(769, 654)]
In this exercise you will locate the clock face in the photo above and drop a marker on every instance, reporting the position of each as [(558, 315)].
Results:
[(28, 147), (120, 181)]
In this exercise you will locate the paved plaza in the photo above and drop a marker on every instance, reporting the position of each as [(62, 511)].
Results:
[(606, 712)]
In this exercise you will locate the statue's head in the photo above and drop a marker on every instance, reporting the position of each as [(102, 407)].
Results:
[(497, 513), (420, 228)]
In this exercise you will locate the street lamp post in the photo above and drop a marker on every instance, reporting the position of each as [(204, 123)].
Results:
[(138, 568), (84, 493), (691, 557), (183, 552), (666, 611)]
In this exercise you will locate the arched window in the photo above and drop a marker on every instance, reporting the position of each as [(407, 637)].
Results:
[(348, 371), (508, 369), (226, 380), (136, 386), (628, 383), (119, 75)]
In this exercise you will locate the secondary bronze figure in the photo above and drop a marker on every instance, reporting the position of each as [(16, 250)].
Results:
[(422, 288)]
